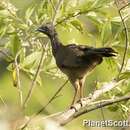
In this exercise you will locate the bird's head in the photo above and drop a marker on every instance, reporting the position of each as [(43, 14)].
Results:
[(47, 29)]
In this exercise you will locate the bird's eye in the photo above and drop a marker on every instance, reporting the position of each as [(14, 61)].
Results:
[(45, 28)]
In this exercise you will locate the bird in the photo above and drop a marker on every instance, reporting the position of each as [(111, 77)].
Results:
[(75, 61)]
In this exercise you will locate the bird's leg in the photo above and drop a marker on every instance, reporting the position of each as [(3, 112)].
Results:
[(81, 83), (81, 92), (77, 89)]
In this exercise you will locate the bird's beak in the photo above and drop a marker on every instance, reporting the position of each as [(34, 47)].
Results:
[(39, 29), (114, 53)]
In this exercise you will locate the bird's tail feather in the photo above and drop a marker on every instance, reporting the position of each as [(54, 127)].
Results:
[(105, 52)]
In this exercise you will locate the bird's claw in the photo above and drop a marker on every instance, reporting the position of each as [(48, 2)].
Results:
[(73, 107), (82, 102)]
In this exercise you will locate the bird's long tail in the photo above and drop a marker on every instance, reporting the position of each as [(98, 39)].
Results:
[(105, 51)]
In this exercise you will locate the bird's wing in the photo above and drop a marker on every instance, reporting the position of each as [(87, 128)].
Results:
[(76, 56)]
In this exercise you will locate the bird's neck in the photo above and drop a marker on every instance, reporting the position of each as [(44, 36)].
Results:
[(55, 43)]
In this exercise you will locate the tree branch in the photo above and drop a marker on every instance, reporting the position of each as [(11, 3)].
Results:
[(63, 118), (100, 105)]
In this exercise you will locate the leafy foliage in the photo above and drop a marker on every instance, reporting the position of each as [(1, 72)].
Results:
[(95, 21)]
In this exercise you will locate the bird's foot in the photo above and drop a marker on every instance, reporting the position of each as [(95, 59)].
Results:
[(76, 106), (73, 107), (82, 102)]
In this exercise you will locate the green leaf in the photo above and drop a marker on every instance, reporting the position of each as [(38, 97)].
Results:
[(116, 19), (124, 108), (10, 67), (29, 61), (78, 25), (22, 54), (94, 18), (14, 44), (4, 14), (3, 29), (86, 5), (113, 108), (39, 80), (125, 75), (106, 33), (29, 12), (121, 48), (23, 26), (100, 3)]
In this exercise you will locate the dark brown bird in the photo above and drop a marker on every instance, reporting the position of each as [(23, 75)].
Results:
[(75, 60)]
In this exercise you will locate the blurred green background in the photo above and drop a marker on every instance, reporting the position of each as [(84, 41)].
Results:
[(97, 28)]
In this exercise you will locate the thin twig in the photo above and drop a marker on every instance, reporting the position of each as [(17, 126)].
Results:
[(15, 16), (40, 63), (18, 78), (57, 9), (69, 16), (52, 4), (5, 54), (2, 100), (44, 107), (126, 37), (35, 77), (54, 96)]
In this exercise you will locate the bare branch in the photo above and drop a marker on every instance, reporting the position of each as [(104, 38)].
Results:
[(53, 97), (126, 35), (42, 120), (35, 78), (64, 117)]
